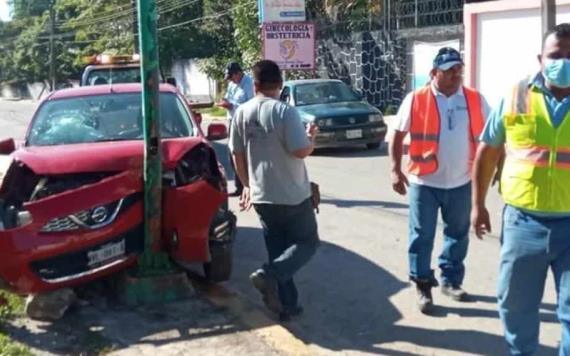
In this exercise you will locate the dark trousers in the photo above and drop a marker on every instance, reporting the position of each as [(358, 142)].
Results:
[(291, 239)]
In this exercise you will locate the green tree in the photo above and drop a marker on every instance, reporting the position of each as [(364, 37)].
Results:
[(180, 35), (247, 30), (218, 24), (27, 8)]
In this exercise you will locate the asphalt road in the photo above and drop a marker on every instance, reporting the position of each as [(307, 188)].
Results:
[(355, 290)]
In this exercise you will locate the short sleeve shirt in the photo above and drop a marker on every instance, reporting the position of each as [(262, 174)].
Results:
[(454, 141), (268, 131), (238, 94)]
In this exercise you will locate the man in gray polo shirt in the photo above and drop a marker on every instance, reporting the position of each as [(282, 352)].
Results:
[(269, 142)]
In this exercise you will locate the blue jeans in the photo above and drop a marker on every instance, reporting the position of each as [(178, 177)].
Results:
[(291, 239), (455, 205), (530, 246)]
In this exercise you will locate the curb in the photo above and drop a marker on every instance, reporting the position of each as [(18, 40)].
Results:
[(271, 332)]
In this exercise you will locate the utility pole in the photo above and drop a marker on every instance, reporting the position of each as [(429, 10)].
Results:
[(548, 15), (156, 279), (51, 45)]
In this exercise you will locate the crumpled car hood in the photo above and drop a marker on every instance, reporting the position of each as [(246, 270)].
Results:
[(100, 156)]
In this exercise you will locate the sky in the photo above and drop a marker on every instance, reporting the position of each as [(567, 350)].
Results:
[(4, 11)]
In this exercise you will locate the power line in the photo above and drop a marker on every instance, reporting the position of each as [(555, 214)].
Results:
[(124, 14), (201, 18)]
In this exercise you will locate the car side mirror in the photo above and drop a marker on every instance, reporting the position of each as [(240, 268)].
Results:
[(7, 146), (217, 132), (171, 81), (359, 93)]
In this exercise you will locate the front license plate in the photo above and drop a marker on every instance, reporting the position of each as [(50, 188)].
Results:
[(105, 253), (353, 134)]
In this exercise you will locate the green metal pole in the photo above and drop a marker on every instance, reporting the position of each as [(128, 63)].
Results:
[(156, 280), (153, 260)]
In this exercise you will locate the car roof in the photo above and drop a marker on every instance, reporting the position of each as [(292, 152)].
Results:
[(91, 90), (311, 81)]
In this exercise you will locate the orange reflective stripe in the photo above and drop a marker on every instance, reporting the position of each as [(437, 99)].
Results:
[(563, 159), (538, 156), (423, 159), (475, 112), (424, 137)]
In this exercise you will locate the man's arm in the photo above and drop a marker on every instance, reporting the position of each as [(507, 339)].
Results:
[(483, 171), (395, 150), (240, 162), (400, 127), (304, 152)]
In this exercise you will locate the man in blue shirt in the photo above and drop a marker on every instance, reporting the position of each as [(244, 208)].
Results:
[(240, 90), (533, 126)]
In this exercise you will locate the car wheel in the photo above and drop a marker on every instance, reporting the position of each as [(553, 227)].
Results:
[(219, 269), (373, 146)]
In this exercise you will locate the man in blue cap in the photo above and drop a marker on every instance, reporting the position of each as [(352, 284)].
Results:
[(444, 120), (240, 90)]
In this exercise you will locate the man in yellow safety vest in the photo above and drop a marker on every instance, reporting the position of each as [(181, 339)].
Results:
[(532, 125)]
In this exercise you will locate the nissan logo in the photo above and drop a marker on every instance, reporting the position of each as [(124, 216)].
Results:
[(351, 120), (99, 214)]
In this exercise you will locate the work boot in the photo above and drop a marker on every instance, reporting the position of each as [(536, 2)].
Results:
[(425, 299), (267, 286), (454, 292), (289, 313)]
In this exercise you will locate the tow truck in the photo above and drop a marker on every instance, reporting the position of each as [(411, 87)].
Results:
[(114, 69)]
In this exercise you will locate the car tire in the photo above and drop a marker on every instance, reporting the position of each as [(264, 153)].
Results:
[(373, 146), (219, 269)]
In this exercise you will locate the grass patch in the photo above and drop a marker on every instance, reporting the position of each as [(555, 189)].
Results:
[(13, 307), (214, 111)]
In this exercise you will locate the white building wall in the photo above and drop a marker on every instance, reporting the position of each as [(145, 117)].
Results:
[(192, 82), (507, 40)]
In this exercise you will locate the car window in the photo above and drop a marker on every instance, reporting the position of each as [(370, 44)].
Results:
[(97, 118), (285, 95), (103, 76), (323, 92)]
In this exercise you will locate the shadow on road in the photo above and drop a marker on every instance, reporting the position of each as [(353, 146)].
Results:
[(347, 304), (343, 203), (352, 151), (106, 326)]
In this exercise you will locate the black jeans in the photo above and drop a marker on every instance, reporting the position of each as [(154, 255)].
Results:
[(291, 239)]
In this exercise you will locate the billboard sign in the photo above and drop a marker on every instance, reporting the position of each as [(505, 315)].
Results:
[(291, 45), (281, 10)]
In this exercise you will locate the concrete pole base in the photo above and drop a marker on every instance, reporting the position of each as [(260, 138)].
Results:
[(155, 289)]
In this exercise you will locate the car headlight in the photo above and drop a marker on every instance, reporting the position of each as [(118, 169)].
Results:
[(375, 117), (324, 122)]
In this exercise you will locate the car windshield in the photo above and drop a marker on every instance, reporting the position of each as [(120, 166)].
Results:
[(113, 76), (323, 92), (109, 117)]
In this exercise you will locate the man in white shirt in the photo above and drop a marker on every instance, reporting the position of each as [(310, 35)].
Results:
[(444, 120)]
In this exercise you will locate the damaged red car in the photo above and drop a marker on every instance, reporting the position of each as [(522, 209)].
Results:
[(71, 201)]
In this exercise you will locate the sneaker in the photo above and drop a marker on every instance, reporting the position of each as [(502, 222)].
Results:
[(425, 299), (267, 286), (454, 292), (289, 313)]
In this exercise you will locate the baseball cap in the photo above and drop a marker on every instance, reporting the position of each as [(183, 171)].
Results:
[(446, 58), (232, 68)]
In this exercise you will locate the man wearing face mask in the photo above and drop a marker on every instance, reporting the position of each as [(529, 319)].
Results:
[(444, 120), (533, 125)]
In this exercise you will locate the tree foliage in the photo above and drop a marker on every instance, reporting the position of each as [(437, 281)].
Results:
[(27, 8), (218, 31)]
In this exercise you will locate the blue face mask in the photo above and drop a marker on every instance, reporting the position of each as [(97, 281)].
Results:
[(557, 72)]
